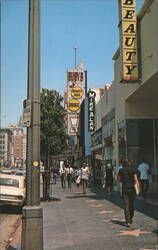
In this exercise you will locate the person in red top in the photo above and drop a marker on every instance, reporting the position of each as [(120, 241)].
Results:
[(128, 176)]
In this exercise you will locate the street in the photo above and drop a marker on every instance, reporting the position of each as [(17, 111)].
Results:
[(8, 226)]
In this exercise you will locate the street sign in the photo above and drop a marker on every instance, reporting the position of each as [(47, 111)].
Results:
[(27, 113)]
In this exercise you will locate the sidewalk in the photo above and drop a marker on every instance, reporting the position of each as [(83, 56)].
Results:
[(95, 221)]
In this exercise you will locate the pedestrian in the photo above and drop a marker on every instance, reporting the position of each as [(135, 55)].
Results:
[(54, 176), (109, 178), (69, 173), (144, 170), (62, 172), (128, 176), (85, 176), (120, 183), (78, 177)]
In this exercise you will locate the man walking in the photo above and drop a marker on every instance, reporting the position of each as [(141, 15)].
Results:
[(69, 172), (128, 176), (144, 171), (62, 172)]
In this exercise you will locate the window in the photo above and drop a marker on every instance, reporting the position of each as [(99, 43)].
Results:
[(9, 182)]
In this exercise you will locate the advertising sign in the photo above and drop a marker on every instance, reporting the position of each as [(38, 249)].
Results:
[(128, 41), (75, 95), (91, 111), (73, 105), (77, 92)]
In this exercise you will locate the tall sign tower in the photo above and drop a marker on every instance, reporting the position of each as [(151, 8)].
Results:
[(75, 96)]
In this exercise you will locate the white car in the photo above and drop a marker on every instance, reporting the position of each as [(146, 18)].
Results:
[(12, 190)]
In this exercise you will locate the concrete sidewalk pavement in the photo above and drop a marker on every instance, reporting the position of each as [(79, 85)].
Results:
[(94, 221)]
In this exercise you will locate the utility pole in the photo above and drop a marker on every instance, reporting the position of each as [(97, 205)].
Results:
[(32, 216)]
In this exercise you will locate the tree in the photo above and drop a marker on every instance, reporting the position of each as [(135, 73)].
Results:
[(53, 134)]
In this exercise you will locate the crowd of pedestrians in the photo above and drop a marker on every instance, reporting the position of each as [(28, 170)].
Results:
[(79, 176), (133, 181)]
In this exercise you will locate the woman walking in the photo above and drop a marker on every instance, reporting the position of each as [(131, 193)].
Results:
[(85, 176), (128, 176)]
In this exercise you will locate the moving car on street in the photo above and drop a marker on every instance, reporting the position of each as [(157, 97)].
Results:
[(12, 190)]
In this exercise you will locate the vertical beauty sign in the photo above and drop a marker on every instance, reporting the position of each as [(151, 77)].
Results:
[(128, 40)]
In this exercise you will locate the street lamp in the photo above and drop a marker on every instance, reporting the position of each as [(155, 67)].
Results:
[(75, 49), (32, 218)]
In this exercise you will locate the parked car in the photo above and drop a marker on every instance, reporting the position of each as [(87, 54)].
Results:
[(12, 190), (6, 171), (21, 173)]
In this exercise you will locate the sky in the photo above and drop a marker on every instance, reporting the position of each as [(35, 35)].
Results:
[(89, 25)]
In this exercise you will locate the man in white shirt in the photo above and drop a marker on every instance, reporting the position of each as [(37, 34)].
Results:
[(144, 169), (62, 172), (69, 172)]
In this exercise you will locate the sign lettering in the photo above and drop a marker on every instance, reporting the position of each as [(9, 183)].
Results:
[(91, 109), (128, 41)]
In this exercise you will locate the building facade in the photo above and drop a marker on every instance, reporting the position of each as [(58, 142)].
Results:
[(12, 147), (126, 115)]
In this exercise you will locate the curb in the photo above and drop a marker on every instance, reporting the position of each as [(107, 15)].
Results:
[(15, 240)]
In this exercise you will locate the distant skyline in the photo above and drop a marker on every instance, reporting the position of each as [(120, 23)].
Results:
[(89, 25)]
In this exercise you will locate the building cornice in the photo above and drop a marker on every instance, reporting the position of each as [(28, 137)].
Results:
[(144, 9)]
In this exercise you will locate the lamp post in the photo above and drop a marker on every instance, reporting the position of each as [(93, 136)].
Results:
[(75, 49), (32, 216)]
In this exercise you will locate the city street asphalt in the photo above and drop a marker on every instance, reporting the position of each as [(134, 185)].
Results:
[(95, 221)]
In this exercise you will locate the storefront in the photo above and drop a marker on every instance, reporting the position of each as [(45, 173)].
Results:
[(138, 139), (97, 160)]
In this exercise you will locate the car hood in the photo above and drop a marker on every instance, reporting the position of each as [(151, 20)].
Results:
[(11, 191)]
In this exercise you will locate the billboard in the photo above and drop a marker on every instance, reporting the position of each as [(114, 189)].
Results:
[(75, 95), (128, 41)]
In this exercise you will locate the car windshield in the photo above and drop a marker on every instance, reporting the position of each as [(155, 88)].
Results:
[(20, 173), (9, 182)]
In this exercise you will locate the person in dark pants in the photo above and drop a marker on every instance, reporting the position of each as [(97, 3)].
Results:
[(62, 172), (69, 172), (109, 178), (128, 176)]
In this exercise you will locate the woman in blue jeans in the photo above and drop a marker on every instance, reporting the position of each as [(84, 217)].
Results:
[(128, 176)]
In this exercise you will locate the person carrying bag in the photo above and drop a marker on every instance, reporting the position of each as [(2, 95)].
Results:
[(85, 177)]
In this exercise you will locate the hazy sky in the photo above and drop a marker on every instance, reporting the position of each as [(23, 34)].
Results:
[(91, 25)]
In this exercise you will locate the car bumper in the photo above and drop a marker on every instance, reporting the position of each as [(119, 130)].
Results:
[(13, 202)]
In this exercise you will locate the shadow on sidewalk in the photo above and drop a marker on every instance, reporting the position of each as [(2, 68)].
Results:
[(142, 206)]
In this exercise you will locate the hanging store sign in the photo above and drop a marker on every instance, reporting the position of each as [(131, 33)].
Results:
[(75, 96), (128, 41), (91, 111), (99, 156)]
